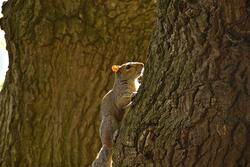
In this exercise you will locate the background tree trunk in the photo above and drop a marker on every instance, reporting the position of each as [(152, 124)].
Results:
[(193, 107), (60, 55)]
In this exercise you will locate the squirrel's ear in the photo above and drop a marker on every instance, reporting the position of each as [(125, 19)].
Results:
[(115, 68)]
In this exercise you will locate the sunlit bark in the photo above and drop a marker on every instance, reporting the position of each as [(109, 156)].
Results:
[(60, 55)]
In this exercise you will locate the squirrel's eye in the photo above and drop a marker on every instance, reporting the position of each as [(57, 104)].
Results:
[(128, 67)]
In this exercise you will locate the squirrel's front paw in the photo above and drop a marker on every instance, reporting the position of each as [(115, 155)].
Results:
[(133, 96), (115, 135)]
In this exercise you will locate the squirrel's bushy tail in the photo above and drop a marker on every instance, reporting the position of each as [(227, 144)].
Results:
[(103, 158)]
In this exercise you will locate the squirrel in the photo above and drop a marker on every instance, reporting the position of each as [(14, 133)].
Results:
[(113, 107)]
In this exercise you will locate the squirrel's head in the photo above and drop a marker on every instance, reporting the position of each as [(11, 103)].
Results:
[(128, 71)]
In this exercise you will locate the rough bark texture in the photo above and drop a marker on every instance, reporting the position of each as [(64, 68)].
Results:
[(193, 108), (60, 55)]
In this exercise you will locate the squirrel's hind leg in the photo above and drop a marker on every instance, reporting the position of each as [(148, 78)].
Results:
[(108, 126), (103, 158)]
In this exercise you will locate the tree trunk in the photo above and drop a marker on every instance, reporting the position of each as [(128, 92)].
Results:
[(60, 53), (193, 107)]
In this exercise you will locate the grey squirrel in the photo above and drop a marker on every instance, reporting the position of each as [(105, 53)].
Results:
[(113, 105)]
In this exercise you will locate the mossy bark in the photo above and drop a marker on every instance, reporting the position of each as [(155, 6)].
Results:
[(60, 55), (193, 107)]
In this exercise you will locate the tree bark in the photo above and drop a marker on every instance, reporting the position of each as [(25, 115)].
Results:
[(60, 53), (193, 107)]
